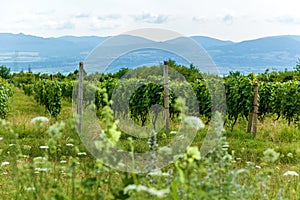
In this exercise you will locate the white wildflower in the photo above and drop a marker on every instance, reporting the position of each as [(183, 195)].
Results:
[(291, 173), (152, 191), (121, 165), (158, 173), (40, 119), (44, 147), (4, 163), (69, 145), (30, 189), (11, 145), (290, 155), (81, 153), (194, 122), (41, 169), (270, 155), (39, 159), (63, 161), (165, 150), (249, 163)]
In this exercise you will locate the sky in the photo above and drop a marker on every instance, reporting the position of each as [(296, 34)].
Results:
[(234, 20)]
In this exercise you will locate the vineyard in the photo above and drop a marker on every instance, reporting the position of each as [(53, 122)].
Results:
[(277, 99), (44, 158)]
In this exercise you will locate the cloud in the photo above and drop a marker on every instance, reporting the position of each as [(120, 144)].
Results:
[(151, 18), (105, 22), (109, 17), (97, 24), (228, 19), (58, 25), (65, 25), (82, 15), (200, 19), (285, 20)]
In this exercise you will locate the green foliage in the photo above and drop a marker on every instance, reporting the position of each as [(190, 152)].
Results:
[(5, 93), (4, 72), (48, 94), (286, 101), (50, 162), (203, 97), (28, 89), (67, 89), (239, 95)]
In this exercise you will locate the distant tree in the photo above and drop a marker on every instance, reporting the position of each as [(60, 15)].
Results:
[(29, 69), (297, 68), (4, 72), (121, 72)]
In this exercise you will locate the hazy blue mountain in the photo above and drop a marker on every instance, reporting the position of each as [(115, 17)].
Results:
[(207, 42), (263, 52), (20, 52)]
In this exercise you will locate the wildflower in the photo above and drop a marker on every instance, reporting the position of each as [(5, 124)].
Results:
[(30, 188), (81, 153), (270, 155), (40, 120), (11, 145), (192, 154), (54, 130), (152, 191), (44, 147), (158, 173), (258, 167), (291, 173), (173, 132), (227, 157), (122, 165), (27, 147), (290, 155), (165, 150), (39, 159), (41, 169), (63, 161), (250, 164), (4, 163), (69, 145), (1, 138), (181, 137), (194, 122)]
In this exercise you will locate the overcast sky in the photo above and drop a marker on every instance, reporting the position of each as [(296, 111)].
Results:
[(234, 20)]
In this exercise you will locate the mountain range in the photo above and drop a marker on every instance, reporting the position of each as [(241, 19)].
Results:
[(62, 54)]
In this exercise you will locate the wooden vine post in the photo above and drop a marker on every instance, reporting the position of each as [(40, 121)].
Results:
[(166, 97), (80, 96), (252, 123), (255, 109)]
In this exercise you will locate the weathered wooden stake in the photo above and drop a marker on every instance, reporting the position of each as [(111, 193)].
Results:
[(80, 96), (250, 117), (166, 97), (255, 109)]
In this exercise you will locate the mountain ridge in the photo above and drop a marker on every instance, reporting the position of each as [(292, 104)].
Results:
[(50, 52)]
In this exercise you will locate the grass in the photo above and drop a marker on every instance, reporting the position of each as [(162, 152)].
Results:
[(73, 175), (22, 109)]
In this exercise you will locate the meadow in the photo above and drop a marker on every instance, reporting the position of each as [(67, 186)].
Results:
[(43, 157)]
